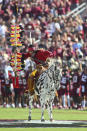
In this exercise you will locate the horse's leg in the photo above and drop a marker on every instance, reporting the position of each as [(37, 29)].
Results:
[(42, 112), (42, 109), (30, 107), (50, 110)]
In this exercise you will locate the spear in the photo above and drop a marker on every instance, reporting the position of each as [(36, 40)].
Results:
[(15, 40), (16, 16), (15, 61)]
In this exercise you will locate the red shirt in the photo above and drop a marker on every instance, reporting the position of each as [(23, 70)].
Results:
[(75, 1), (83, 79), (2, 79), (15, 82), (20, 82), (76, 80), (64, 81)]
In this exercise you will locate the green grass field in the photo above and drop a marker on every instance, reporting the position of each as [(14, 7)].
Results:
[(20, 113)]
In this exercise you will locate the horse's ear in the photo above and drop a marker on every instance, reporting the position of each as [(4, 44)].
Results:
[(48, 60)]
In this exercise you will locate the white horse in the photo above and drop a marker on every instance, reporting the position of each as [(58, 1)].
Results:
[(47, 84)]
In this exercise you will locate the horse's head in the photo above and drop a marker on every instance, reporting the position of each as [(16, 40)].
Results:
[(56, 63), (57, 71)]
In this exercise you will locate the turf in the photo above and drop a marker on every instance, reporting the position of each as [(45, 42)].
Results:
[(20, 113), (44, 129)]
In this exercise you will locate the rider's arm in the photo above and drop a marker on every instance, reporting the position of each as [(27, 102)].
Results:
[(33, 73)]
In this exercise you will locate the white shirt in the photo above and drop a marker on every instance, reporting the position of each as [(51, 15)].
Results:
[(28, 63), (3, 30), (57, 26), (1, 1), (8, 68)]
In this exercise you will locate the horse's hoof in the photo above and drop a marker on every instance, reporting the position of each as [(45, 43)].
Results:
[(29, 118), (51, 120), (42, 120)]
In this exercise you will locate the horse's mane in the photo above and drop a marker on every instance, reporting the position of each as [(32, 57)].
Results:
[(51, 61)]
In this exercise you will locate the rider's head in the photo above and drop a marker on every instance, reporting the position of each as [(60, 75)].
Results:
[(39, 67), (31, 48), (42, 47)]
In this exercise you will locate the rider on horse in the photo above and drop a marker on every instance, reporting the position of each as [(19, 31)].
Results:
[(40, 57)]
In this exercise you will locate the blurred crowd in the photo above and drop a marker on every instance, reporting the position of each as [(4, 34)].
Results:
[(42, 22)]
